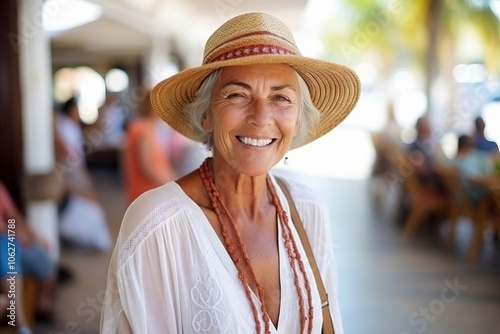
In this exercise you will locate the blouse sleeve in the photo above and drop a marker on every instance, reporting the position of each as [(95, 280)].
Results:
[(139, 272), (314, 215), (113, 320)]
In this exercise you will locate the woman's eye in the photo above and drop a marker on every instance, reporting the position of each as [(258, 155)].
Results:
[(234, 95), (282, 98)]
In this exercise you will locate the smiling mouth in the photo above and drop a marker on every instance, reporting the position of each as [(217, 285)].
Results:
[(255, 142)]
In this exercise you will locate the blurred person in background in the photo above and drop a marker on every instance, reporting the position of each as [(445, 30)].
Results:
[(216, 251), (185, 153), (32, 259), (146, 161), (480, 142), (82, 219), (472, 162), (425, 155), (110, 122), (388, 145)]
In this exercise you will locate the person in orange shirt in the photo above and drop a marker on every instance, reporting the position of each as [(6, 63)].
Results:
[(145, 157)]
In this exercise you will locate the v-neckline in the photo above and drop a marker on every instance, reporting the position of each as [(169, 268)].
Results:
[(221, 250)]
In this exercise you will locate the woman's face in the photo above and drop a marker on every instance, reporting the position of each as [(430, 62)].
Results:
[(254, 113)]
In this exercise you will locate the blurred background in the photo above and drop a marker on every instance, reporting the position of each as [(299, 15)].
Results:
[(413, 256)]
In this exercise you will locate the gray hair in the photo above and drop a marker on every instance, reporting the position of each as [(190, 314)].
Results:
[(308, 113)]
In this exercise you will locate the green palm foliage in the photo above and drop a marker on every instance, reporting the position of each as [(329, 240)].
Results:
[(418, 31)]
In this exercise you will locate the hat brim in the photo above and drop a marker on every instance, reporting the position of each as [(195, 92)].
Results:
[(334, 90)]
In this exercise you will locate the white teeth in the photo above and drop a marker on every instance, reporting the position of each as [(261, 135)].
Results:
[(255, 142)]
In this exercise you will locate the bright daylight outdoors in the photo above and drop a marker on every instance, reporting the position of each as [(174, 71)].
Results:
[(409, 181)]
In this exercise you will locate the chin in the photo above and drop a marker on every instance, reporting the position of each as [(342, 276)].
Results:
[(248, 163), (254, 167)]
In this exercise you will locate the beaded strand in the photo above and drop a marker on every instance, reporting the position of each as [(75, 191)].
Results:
[(290, 245), (215, 198), (294, 256)]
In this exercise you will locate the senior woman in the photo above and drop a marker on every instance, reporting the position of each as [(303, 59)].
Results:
[(216, 251)]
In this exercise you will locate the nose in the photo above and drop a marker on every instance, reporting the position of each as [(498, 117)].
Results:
[(260, 113)]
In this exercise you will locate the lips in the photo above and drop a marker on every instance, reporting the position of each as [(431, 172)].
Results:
[(254, 141)]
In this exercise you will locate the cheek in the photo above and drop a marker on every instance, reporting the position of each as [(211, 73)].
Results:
[(227, 119), (293, 124)]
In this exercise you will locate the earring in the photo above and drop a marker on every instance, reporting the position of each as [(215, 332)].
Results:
[(286, 161)]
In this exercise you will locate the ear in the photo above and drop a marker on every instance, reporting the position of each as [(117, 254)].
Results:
[(207, 122)]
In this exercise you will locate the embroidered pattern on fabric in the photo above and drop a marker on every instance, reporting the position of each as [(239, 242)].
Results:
[(207, 295)]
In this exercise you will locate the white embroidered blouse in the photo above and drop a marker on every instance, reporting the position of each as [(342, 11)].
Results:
[(170, 273)]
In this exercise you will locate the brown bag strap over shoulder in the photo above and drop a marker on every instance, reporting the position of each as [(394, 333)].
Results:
[(327, 318)]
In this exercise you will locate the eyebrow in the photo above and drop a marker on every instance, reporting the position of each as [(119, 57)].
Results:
[(247, 86), (282, 87), (237, 83)]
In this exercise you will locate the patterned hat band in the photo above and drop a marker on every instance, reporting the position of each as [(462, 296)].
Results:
[(251, 50), (250, 44)]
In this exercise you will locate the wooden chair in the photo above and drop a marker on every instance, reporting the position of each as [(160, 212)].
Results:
[(387, 154), (29, 297), (496, 203), (461, 205), (31, 287), (496, 198), (424, 203), (488, 217)]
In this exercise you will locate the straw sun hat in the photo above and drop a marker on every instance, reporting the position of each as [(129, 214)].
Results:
[(258, 38)]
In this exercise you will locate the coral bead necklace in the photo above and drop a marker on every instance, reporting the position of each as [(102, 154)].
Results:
[(237, 251)]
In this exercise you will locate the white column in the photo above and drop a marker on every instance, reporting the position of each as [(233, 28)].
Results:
[(37, 113), (158, 65)]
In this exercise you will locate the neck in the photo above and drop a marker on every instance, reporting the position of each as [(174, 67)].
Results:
[(243, 194)]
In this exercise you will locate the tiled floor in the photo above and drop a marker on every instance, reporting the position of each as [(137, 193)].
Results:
[(387, 285)]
